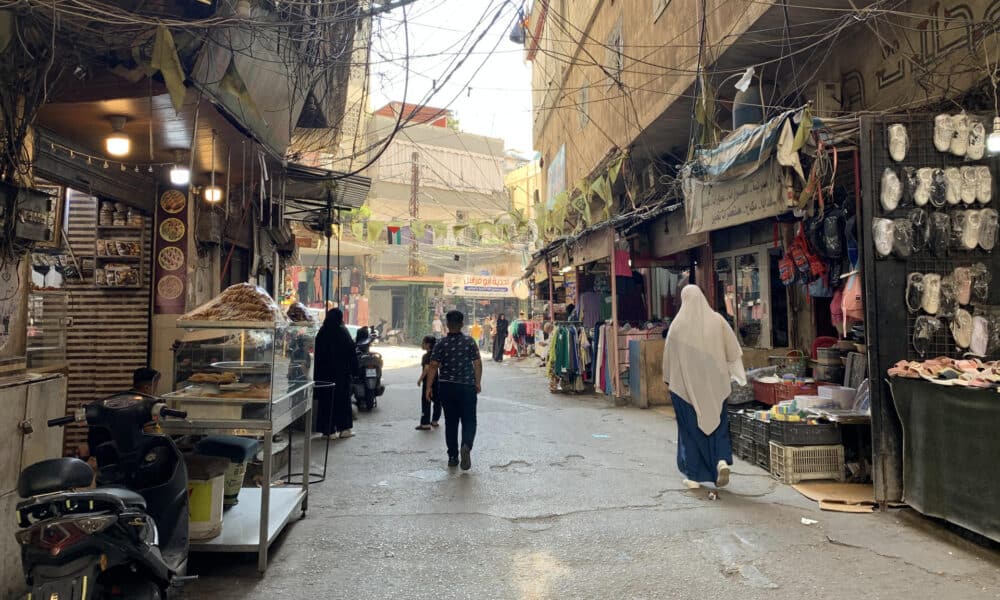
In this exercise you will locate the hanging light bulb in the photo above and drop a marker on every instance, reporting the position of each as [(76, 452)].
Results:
[(179, 175), (993, 139), (118, 144), (106, 165), (213, 194)]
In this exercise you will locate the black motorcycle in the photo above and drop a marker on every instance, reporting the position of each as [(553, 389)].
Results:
[(367, 382), (125, 538)]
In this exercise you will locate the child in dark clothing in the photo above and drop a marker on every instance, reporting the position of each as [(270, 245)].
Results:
[(426, 419)]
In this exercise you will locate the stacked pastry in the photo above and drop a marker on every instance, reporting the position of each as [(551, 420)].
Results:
[(240, 302)]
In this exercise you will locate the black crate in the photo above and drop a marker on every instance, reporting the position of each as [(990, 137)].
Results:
[(758, 431), (736, 424), (803, 434), (762, 456)]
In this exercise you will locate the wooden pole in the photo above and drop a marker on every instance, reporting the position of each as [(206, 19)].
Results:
[(613, 345)]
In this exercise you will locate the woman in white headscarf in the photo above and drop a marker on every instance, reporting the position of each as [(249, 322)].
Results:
[(700, 357)]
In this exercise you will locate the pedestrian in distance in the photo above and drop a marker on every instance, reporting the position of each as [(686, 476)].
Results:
[(427, 420), (457, 369), (500, 337), (700, 356), (476, 331), (335, 361), (437, 328)]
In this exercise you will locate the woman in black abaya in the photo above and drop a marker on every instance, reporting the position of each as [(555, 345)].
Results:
[(500, 338), (335, 361)]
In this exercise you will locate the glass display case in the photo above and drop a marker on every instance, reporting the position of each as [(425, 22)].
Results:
[(242, 371), (47, 314)]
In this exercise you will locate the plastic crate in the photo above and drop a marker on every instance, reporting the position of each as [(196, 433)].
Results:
[(757, 431), (737, 422), (792, 464), (788, 433), (762, 456), (773, 393)]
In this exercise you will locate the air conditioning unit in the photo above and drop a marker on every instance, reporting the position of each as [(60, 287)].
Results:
[(828, 100)]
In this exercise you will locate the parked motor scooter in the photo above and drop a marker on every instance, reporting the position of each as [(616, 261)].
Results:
[(367, 384), (127, 538)]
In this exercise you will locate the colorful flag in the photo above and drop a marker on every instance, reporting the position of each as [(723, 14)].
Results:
[(394, 236)]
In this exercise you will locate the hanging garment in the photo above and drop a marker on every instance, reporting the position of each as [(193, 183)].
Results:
[(362, 310), (590, 308)]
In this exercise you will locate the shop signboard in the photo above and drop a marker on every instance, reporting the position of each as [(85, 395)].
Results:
[(170, 253), (669, 235), (556, 177), (709, 206), (484, 286)]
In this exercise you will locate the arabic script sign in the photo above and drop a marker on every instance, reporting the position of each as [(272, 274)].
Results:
[(481, 286), (716, 205)]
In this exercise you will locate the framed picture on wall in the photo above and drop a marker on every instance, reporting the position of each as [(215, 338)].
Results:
[(54, 220)]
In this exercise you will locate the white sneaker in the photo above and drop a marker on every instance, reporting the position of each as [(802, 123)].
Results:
[(977, 140), (984, 185), (892, 190), (899, 142), (961, 328), (943, 132), (922, 195), (883, 230), (347, 433), (722, 480), (954, 191), (932, 293), (970, 185), (988, 229), (960, 137), (691, 485), (970, 233)]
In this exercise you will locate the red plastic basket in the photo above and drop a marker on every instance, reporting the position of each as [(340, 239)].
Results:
[(773, 393)]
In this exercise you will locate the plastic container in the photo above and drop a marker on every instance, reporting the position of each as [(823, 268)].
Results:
[(206, 488), (238, 451), (789, 433), (792, 464)]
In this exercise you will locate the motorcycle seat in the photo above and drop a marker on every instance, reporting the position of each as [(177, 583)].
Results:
[(54, 475), (127, 496)]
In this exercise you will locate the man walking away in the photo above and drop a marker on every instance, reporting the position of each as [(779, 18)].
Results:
[(458, 369)]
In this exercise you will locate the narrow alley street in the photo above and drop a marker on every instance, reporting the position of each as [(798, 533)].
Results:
[(570, 497)]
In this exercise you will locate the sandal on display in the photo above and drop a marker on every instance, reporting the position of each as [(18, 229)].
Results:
[(977, 140), (960, 138), (948, 298), (943, 132), (970, 233), (921, 229), (981, 278), (909, 180), (961, 328), (899, 142), (923, 331), (963, 284), (892, 190), (884, 236), (988, 229), (969, 186), (914, 291), (922, 194), (958, 221), (932, 293), (940, 238), (939, 188), (984, 185), (980, 338), (954, 192)]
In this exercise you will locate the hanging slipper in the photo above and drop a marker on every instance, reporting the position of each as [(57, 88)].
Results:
[(899, 142), (953, 194), (943, 132), (984, 185)]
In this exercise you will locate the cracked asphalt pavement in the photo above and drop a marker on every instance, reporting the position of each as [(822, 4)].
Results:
[(571, 497)]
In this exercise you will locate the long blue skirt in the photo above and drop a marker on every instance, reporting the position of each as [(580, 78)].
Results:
[(698, 455)]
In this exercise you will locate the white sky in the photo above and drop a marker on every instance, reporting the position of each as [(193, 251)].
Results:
[(499, 102)]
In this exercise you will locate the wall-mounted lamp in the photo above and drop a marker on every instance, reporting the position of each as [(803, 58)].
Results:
[(118, 144), (213, 194)]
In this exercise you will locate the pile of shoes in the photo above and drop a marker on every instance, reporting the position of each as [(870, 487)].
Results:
[(935, 297), (950, 371)]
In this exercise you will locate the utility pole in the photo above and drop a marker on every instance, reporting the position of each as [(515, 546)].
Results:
[(414, 210)]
